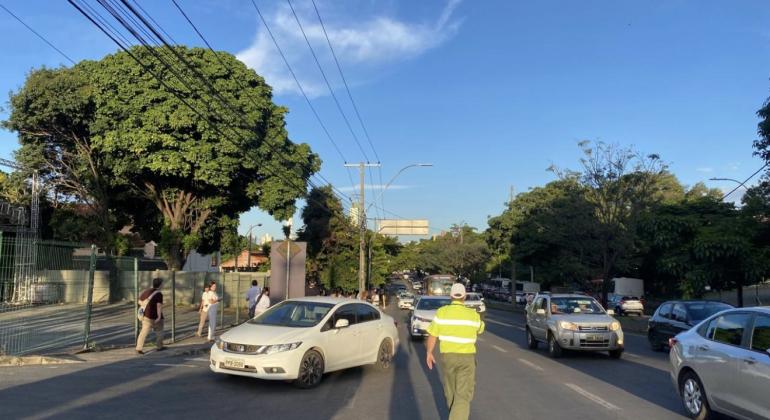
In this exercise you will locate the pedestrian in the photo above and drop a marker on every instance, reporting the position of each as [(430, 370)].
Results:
[(153, 316), (212, 311), (383, 298), (263, 302), (251, 297), (456, 328), (203, 309)]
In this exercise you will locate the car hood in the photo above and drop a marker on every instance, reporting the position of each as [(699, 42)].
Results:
[(425, 314), (264, 334), (585, 318)]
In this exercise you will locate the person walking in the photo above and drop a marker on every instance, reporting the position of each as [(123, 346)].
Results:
[(212, 311), (262, 302), (456, 328), (251, 297), (203, 310), (153, 316)]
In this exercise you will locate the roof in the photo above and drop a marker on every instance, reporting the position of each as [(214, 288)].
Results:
[(326, 299), (434, 297), (566, 295)]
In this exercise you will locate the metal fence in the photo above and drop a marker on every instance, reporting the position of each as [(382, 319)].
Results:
[(68, 297)]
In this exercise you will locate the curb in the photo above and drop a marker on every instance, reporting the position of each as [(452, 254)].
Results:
[(8, 361)]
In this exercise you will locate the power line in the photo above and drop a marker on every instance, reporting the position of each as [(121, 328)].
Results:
[(216, 55), (38, 34), (175, 92), (743, 184)]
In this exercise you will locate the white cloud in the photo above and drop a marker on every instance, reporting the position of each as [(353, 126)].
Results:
[(705, 169), (376, 41), (370, 187)]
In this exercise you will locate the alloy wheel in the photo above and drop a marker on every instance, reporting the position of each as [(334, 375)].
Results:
[(311, 370), (385, 355), (692, 396)]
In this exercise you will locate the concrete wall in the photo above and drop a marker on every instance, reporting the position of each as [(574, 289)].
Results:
[(750, 295), (74, 284)]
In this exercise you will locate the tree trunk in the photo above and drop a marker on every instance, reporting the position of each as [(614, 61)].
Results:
[(739, 291)]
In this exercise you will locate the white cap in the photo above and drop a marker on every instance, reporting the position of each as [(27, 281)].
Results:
[(458, 291)]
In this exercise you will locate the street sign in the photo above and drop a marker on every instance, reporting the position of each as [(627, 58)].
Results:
[(398, 227)]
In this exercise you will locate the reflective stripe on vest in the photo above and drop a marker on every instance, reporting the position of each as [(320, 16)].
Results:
[(462, 322), (458, 340)]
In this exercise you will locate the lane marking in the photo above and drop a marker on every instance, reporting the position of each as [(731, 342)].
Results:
[(174, 365), (592, 397), (500, 349), (499, 322), (198, 359), (636, 356), (531, 365)]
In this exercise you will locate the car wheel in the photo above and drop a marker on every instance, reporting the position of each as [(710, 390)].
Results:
[(694, 397), (531, 340), (385, 355), (311, 370), (554, 349), (616, 354), (655, 344)]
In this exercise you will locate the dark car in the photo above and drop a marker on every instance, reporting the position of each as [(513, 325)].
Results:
[(677, 316)]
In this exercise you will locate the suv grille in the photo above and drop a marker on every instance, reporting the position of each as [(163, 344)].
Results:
[(240, 348), (593, 328), (594, 343)]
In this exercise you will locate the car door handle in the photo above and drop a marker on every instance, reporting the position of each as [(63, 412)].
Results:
[(703, 347), (750, 360)]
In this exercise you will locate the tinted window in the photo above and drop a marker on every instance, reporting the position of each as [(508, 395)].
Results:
[(730, 328), (701, 310), (293, 314), (760, 339), (366, 313), (665, 311), (346, 312), (707, 329), (679, 313)]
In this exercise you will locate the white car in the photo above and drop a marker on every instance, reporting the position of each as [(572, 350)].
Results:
[(406, 301), (623, 305), (475, 301), (424, 311), (301, 339)]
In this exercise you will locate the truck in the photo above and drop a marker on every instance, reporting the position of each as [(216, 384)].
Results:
[(626, 286), (527, 287), (439, 284)]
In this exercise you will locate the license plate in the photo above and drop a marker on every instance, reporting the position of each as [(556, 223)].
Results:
[(594, 337), (234, 363)]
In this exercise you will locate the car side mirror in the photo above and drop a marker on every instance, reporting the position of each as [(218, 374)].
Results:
[(341, 323), (610, 312), (540, 311)]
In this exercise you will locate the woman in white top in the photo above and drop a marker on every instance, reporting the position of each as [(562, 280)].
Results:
[(203, 310), (263, 302)]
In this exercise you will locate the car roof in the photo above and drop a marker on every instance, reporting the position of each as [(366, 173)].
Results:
[(326, 299), (434, 297), (566, 295), (694, 301)]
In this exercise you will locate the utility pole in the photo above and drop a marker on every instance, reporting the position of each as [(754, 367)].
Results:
[(361, 223)]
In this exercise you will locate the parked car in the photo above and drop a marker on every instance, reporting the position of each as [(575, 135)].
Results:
[(572, 322), (406, 301), (677, 316), (475, 301), (623, 305), (301, 339), (424, 311), (722, 365)]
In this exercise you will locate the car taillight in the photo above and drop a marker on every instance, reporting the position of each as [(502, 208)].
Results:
[(672, 342)]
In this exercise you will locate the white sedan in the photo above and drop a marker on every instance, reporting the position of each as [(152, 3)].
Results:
[(301, 339)]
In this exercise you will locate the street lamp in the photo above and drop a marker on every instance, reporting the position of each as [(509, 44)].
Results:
[(729, 179), (414, 165), (248, 257)]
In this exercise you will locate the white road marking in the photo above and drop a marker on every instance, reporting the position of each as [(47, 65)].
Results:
[(635, 356), (197, 359), (592, 397), (500, 349), (531, 365), (499, 322), (174, 365)]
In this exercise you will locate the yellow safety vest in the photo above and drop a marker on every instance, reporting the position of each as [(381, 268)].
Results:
[(456, 328)]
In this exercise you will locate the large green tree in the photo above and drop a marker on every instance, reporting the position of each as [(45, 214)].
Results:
[(175, 172)]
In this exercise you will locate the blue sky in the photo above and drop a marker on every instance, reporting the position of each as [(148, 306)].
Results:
[(490, 92)]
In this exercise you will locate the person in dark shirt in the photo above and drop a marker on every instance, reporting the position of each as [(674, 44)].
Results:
[(153, 316)]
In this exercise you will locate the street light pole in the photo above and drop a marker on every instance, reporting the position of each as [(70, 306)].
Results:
[(248, 257), (413, 165), (361, 224)]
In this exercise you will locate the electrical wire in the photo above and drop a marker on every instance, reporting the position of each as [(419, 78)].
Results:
[(743, 184), (50, 44)]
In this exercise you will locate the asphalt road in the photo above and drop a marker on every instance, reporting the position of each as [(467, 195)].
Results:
[(512, 383)]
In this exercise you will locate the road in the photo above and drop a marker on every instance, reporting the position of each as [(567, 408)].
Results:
[(512, 383)]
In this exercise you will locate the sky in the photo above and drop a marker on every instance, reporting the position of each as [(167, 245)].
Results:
[(491, 93)]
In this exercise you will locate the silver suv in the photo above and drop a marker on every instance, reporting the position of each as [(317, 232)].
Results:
[(723, 365), (572, 322)]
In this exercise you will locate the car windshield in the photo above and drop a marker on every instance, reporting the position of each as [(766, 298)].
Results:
[(701, 310), (472, 297), (575, 305), (432, 304), (294, 314), (407, 296)]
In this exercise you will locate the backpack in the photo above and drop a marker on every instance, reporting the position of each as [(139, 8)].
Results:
[(143, 305)]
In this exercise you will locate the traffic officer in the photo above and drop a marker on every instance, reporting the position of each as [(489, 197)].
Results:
[(456, 327)]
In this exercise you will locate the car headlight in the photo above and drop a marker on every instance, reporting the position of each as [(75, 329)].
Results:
[(615, 326), (278, 348), (421, 319), (565, 325), (219, 343)]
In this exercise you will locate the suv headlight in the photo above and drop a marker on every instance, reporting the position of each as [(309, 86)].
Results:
[(278, 348), (615, 326), (565, 325)]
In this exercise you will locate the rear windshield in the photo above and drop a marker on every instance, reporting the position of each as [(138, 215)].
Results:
[(701, 310), (432, 304), (472, 297)]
